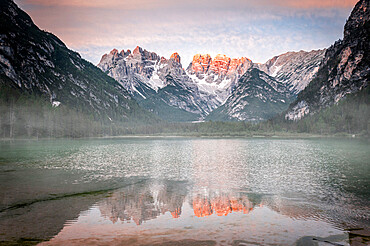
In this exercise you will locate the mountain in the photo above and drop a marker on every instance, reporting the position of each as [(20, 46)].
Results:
[(140, 203), (163, 87), (217, 77), (36, 63), (158, 84), (256, 97), (269, 88), (295, 69), (345, 68)]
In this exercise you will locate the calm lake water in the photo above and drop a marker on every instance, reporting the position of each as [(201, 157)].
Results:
[(184, 191)]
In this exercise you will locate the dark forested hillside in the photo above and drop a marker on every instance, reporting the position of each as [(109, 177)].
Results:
[(24, 115), (351, 115), (47, 90), (36, 65)]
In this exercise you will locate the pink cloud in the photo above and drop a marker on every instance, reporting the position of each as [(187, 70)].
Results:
[(213, 26), (317, 3), (148, 4), (106, 4)]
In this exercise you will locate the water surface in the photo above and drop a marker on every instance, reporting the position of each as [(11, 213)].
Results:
[(184, 191)]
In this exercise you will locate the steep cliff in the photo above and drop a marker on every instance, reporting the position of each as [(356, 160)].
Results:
[(158, 84), (344, 70), (295, 69), (217, 77), (257, 97), (35, 62)]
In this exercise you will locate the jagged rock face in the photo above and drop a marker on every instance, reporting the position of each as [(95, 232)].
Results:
[(358, 19), (141, 203), (207, 83), (37, 62), (220, 65), (157, 83), (217, 77), (295, 69), (239, 65), (124, 66), (200, 63), (344, 70), (257, 97), (176, 57)]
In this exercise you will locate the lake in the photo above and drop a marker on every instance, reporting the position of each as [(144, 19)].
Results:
[(185, 191)]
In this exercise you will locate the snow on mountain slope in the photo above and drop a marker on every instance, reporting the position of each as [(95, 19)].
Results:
[(151, 78), (207, 83), (295, 69), (242, 93), (256, 97), (35, 62), (125, 66), (217, 77), (344, 70)]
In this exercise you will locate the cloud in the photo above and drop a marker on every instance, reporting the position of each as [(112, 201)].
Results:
[(258, 29), (149, 4), (109, 4), (255, 44), (317, 3)]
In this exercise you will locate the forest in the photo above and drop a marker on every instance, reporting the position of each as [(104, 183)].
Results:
[(33, 116)]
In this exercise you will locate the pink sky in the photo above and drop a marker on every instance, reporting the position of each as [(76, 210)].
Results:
[(257, 29), (135, 4)]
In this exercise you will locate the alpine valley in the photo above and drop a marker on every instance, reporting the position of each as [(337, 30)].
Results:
[(224, 88), (142, 87), (142, 149)]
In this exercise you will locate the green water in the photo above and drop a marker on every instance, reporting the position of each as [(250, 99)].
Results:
[(148, 191)]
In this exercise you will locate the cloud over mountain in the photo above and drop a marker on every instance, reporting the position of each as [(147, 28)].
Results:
[(256, 29)]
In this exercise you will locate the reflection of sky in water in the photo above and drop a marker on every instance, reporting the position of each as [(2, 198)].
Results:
[(155, 211), (260, 226), (291, 187), (300, 168)]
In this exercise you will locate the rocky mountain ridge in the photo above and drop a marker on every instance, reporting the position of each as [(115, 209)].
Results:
[(35, 62), (160, 85), (256, 97), (296, 69), (345, 68), (218, 76), (208, 82)]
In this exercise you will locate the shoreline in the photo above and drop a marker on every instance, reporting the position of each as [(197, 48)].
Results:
[(215, 136)]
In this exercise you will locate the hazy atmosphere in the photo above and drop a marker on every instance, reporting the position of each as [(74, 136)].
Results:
[(257, 29), (184, 123)]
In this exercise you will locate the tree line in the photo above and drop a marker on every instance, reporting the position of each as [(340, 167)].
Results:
[(32, 116)]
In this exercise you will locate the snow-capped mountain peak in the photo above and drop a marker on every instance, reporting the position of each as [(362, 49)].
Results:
[(152, 78), (218, 76), (208, 82)]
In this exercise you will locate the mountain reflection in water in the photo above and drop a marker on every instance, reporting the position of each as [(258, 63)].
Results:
[(155, 211), (144, 202), (155, 191), (147, 201), (221, 205), (150, 199)]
